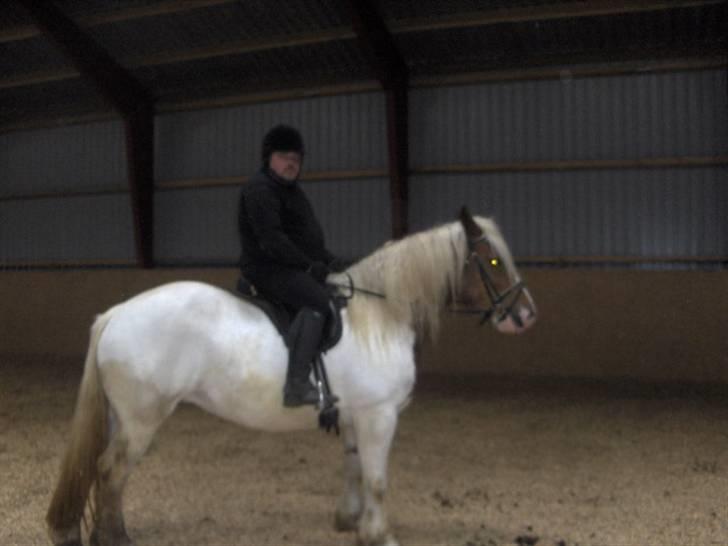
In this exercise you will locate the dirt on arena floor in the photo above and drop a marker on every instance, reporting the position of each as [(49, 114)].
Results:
[(476, 462)]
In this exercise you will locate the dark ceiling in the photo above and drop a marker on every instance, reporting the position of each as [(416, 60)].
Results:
[(201, 52)]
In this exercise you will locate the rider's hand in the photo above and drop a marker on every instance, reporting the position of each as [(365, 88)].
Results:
[(319, 271)]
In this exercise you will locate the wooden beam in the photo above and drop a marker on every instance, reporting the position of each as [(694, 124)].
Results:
[(59, 121), (567, 10), (576, 165), (73, 264), (685, 162), (592, 70), (15, 34), (175, 105), (62, 194), (379, 48), (616, 260), (126, 95), (195, 54), (241, 47), (166, 7), (312, 176), (38, 77), (528, 261)]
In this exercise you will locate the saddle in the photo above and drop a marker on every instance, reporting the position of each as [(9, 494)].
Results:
[(281, 316)]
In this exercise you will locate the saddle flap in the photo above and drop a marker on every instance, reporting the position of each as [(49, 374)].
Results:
[(281, 316)]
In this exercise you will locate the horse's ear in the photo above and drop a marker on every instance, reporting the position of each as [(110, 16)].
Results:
[(472, 229)]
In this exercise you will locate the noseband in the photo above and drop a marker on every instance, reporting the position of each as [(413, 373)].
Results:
[(501, 303)]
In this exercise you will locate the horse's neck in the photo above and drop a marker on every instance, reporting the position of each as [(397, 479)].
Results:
[(416, 276)]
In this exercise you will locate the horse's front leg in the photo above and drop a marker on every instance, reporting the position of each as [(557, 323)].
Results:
[(350, 504), (374, 432)]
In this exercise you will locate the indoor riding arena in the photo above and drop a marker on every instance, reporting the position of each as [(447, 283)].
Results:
[(594, 133)]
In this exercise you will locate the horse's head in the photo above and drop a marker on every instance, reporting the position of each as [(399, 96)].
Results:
[(491, 284)]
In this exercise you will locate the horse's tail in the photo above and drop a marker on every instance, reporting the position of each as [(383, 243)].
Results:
[(88, 439)]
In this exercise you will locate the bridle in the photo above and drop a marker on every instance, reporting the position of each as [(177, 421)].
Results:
[(501, 303)]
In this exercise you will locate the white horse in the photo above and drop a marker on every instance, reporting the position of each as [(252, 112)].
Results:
[(191, 342)]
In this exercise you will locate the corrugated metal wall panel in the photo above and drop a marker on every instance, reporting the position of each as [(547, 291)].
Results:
[(201, 225), (621, 117), (73, 158), (93, 228), (340, 133), (659, 212), (196, 226), (355, 214), (643, 213)]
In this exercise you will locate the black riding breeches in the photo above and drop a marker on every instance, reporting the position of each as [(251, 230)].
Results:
[(293, 288)]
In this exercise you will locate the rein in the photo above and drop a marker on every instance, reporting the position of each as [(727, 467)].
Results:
[(351, 289)]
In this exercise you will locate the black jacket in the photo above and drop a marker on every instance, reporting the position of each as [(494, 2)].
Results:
[(277, 226)]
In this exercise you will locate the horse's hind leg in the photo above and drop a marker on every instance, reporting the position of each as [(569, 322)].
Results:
[(114, 468), (130, 440), (374, 431), (350, 504)]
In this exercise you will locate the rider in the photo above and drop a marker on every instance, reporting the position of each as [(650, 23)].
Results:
[(284, 254)]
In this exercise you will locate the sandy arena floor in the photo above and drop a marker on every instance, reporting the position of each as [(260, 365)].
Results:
[(487, 462)]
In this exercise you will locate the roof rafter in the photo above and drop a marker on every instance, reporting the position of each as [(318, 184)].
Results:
[(194, 54), (165, 7), (588, 8)]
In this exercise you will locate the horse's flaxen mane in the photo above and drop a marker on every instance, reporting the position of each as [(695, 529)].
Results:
[(418, 275)]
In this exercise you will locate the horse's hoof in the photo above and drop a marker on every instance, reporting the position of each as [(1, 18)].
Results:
[(344, 522), (384, 540), (118, 540), (65, 537)]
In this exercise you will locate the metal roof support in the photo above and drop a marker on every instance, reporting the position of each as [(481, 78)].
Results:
[(397, 143), (127, 96), (140, 159), (378, 46)]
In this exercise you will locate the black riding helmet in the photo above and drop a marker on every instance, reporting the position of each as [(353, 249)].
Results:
[(281, 138)]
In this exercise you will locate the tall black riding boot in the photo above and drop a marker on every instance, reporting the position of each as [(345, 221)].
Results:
[(304, 342)]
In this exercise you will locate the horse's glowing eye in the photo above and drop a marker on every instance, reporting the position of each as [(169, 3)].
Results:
[(494, 262)]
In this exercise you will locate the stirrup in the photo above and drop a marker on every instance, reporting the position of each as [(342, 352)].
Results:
[(328, 412)]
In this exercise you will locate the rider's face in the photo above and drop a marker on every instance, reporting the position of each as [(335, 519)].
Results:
[(287, 165)]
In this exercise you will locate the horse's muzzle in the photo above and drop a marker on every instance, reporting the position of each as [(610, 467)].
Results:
[(518, 320)]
